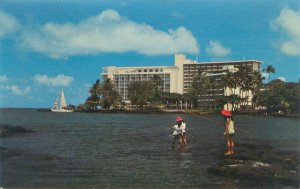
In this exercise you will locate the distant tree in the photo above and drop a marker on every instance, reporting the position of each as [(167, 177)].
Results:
[(269, 69), (231, 82), (280, 97), (171, 99), (293, 97), (108, 96), (157, 93), (198, 88), (93, 100), (256, 86), (140, 92), (157, 81)]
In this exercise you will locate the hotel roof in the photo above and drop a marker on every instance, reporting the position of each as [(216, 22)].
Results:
[(226, 62)]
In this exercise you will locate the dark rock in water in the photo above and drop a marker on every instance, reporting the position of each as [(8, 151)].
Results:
[(258, 164), (8, 130)]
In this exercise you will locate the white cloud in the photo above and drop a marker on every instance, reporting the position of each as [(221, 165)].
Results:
[(282, 79), (3, 78), (16, 90), (8, 24), (107, 32), (288, 23), (20, 92), (59, 80), (216, 49)]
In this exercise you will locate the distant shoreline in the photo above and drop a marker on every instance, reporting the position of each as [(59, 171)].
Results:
[(168, 111), (172, 111)]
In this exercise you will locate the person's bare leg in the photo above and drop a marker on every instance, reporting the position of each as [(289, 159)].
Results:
[(180, 140), (184, 139), (231, 146), (228, 146)]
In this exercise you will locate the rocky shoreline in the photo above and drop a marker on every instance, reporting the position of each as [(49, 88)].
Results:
[(259, 165)]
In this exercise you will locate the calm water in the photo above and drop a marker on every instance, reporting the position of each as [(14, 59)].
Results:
[(94, 150)]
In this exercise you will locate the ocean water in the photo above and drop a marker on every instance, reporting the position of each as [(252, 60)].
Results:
[(101, 150)]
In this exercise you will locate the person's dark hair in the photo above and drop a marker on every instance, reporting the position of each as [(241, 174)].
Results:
[(230, 117)]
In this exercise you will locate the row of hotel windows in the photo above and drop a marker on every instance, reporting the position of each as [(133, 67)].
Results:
[(122, 86), (139, 77), (150, 70), (124, 91), (196, 67)]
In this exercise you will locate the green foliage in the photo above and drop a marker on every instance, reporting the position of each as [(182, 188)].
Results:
[(109, 98), (171, 98), (269, 69), (102, 94), (140, 92), (280, 96), (199, 87), (93, 100), (205, 86)]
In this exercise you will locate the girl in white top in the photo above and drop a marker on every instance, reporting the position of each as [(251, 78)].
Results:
[(229, 131), (179, 130)]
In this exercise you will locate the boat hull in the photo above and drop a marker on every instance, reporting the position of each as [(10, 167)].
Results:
[(61, 110)]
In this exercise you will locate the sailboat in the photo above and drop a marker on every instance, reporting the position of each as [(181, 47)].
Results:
[(60, 104)]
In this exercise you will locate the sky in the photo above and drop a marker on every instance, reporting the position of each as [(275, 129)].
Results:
[(49, 45)]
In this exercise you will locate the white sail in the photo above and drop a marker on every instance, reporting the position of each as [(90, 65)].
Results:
[(60, 104), (55, 104), (63, 103)]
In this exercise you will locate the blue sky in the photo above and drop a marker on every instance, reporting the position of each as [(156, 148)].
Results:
[(47, 45)]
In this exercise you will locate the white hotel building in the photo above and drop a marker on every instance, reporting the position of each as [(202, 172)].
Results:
[(175, 79)]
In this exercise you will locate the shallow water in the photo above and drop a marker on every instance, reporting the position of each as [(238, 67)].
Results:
[(98, 150)]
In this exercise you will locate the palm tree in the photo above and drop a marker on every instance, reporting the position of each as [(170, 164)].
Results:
[(246, 80), (229, 81), (232, 81), (255, 86), (269, 69)]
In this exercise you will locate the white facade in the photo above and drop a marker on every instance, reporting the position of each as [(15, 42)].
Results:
[(180, 60), (122, 76)]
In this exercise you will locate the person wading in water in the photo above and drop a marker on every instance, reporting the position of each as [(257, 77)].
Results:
[(179, 131), (229, 131)]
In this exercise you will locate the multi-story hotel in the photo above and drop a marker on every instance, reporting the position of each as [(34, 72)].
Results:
[(177, 78)]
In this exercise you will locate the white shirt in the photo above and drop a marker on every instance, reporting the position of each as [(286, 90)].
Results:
[(179, 130)]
